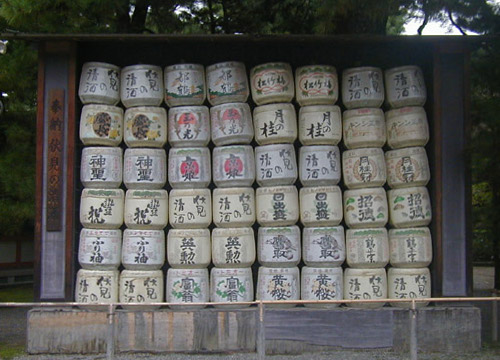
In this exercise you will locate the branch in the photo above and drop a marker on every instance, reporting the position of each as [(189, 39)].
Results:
[(450, 16), (424, 23)]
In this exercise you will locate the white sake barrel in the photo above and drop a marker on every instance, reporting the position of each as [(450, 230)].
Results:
[(321, 206), (320, 125), (188, 126), (100, 249), (316, 85), (189, 248), (277, 205), (409, 284), (233, 247), (102, 208), (323, 246), (278, 284), (365, 284), (187, 287), (410, 248), (99, 83), (407, 127), (144, 168), (141, 85), (231, 285), (364, 168), (405, 86), (279, 246), (227, 82), (143, 249), (275, 164), (189, 168), (272, 83), (407, 167), (275, 123), (231, 124), (96, 287), (233, 166), (365, 208), (321, 284), (319, 165), (409, 207), (146, 209), (101, 125), (140, 286), (184, 84), (234, 207), (364, 128), (145, 126), (190, 208), (101, 167), (362, 87), (367, 248)]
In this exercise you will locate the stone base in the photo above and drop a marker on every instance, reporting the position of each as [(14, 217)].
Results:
[(290, 331)]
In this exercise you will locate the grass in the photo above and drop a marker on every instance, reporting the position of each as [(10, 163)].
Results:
[(8, 352), (17, 293)]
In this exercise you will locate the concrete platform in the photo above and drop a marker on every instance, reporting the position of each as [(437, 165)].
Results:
[(290, 331)]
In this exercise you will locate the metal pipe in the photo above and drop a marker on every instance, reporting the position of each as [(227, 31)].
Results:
[(413, 331), (261, 341), (110, 340), (494, 318)]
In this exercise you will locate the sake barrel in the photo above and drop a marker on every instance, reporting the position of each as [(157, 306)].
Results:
[(407, 167), (407, 127), (365, 284), (189, 168), (190, 208), (233, 166), (320, 125), (231, 285), (319, 165), (411, 247), (101, 125), (362, 87), (184, 84), (233, 247), (101, 167), (278, 284), (409, 207), (144, 168), (363, 168), (189, 248), (188, 126), (321, 284), (365, 208), (186, 287), (364, 128), (102, 208), (227, 82), (96, 287), (275, 123), (234, 207), (316, 84), (231, 123), (405, 86), (277, 205), (323, 246), (275, 164), (99, 83), (279, 246), (146, 126), (100, 249), (367, 248), (271, 83), (321, 206), (141, 287), (143, 249), (146, 209), (141, 85), (409, 284)]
